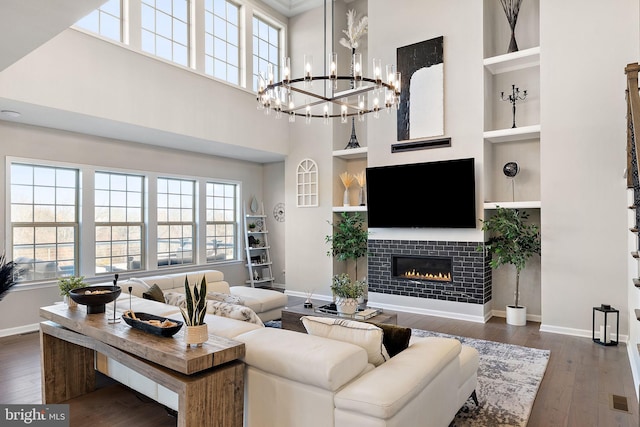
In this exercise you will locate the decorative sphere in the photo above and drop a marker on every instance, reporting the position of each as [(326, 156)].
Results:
[(511, 169)]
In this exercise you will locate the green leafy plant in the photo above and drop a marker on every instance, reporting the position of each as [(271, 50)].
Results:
[(196, 300), (67, 284), (511, 241), (343, 287), (349, 239), (6, 275)]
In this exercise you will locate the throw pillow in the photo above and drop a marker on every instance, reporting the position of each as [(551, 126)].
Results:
[(365, 335), (395, 338), (138, 286), (154, 293), (222, 309), (220, 297)]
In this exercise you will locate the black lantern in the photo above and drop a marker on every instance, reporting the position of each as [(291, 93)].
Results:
[(605, 326)]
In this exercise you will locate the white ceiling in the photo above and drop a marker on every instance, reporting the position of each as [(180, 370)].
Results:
[(294, 7)]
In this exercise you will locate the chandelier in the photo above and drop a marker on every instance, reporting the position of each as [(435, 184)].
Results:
[(298, 96)]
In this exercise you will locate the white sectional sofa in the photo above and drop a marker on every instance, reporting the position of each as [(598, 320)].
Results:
[(294, 379), (266, 303)]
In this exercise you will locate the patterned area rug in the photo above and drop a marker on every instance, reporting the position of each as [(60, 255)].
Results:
[(508, 380)]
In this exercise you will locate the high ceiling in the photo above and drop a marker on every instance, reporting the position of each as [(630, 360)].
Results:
[(294, 7)]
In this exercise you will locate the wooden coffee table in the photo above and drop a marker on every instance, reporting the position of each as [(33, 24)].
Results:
[(291, 316)]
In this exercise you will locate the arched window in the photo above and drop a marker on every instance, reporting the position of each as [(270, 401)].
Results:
[(307, 184)]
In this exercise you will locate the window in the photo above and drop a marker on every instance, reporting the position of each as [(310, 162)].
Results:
[(266, 50), (176, 221), (307, 183), (119, 222), (44, 221), (221, 234), (105, 21), (222, 47), (165, 29)]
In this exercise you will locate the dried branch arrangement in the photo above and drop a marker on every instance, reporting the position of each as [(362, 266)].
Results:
[(347, 179), (354, 31)]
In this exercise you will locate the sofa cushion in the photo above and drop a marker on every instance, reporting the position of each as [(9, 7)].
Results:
[(230, 299), (260, 300), (154, 293), (138, 286), (365, 335), (395, 338)]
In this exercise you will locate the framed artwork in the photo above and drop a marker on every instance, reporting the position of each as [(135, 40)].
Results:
[(421, 110)]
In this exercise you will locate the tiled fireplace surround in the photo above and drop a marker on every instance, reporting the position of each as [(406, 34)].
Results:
[(471, 275)]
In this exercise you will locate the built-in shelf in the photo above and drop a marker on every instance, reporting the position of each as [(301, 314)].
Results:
[(349, 208), (513, 61), (529, 204), (513, 134), (351, 153)]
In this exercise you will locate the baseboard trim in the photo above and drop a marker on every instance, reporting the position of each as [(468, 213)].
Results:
[(530, 317), (25, 329), (583, 333)]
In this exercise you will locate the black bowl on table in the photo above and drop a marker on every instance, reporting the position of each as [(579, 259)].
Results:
[(141, 324), (95, 297)]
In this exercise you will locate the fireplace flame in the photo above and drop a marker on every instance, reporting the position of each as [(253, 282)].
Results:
[(440, 277)]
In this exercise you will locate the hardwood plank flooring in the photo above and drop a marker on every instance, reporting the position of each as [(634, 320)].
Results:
[(575, 391)]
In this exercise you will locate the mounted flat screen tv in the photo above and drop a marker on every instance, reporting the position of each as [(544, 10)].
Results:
[(434, 195)]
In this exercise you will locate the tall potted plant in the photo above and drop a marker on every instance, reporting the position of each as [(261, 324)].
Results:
[(6, 275), (512, 241), (196, 307), (349, 240)]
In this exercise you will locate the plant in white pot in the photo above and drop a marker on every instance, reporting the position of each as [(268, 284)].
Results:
[(347, 292), (511, 241), (349, 242), (67, 284), (196, 307)]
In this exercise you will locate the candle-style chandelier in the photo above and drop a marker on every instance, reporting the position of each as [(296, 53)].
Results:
[(296, 97)]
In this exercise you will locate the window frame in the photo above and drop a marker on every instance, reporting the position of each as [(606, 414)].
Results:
[(172, 40), (238, 46), (121, 22), (255, 71), (235, 223), (193, 224)]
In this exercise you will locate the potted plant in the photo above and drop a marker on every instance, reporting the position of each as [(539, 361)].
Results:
[(349, 241), (252, 227), (347, 292), (67, 284), (193, 314), (512, 241), (6, 275)]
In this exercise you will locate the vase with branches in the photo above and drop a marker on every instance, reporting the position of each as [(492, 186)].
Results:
[(511, 10)]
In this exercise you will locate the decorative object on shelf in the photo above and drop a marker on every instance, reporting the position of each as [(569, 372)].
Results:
[(6, 275), (513, 98), (278, 212), (259, 222), (604, 338), (252, 227), (347, 292), (512, 241), (353, 140), (347, 180), (67, 284), (349, 241), (253, 205), (152, 324), (511, 10), (510, 170), (360, 179), (193, 314), (421, 105), (295, 97), (95, 297)]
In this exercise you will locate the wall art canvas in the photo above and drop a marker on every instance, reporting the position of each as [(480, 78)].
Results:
[(421, 110)]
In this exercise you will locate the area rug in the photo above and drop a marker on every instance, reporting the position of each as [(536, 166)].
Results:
[(508, 380)]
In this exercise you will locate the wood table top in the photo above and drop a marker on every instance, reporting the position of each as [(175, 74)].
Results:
[(170, 352)]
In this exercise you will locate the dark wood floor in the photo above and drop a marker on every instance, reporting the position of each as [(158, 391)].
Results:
[(580, 378)]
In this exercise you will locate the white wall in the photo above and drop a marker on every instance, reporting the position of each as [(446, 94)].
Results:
[(585, 46)]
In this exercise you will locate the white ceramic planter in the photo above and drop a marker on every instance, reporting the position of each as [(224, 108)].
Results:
[(196, 335), (516, 316), (346, 305)]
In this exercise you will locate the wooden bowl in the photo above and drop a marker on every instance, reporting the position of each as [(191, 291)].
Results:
[(146, 327), (95, 302)]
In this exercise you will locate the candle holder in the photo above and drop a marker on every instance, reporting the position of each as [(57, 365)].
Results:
[(605, 327), (513, 98)]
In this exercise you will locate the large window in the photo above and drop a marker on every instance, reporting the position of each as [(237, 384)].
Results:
[(222, 46), (119, 222), (165, 29), (44, 221), (221, 235), (105, 21), (266, 50), (176, 221)]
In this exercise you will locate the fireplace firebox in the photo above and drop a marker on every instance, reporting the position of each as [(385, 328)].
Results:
[(427, 268)]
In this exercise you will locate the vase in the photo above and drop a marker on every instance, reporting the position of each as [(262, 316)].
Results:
[(516, 316), (345, 198), (70, 303), (361, 197), (513, 46), (196, 335), (346, 305)]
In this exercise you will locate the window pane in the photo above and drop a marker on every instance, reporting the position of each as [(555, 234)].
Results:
[(180, 9), (110, 26)]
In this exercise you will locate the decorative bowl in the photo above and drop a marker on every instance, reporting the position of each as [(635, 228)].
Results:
[(95, 297), (141, 324)]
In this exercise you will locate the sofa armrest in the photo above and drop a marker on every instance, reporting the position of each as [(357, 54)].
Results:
[(307, 359), (382, 392)]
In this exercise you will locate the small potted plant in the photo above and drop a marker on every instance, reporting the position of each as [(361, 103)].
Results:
[(252, 227), (193, 314), (347, 292), (67, 284), (511, 241)]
